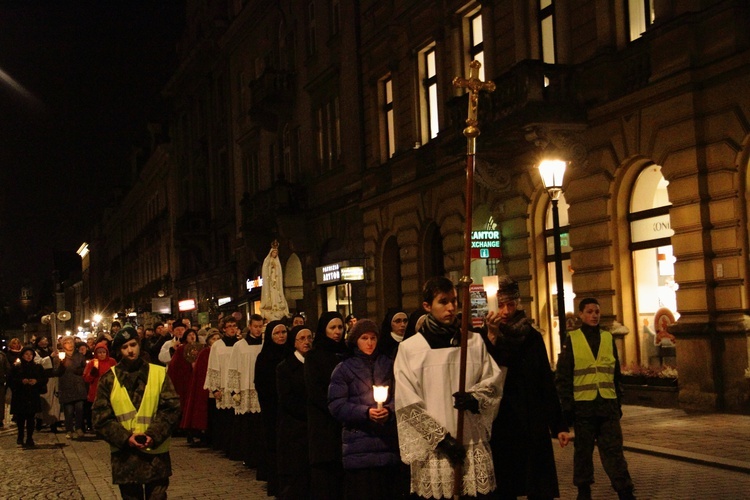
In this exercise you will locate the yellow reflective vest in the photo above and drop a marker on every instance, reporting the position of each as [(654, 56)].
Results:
[(138, 421), (592, 376)]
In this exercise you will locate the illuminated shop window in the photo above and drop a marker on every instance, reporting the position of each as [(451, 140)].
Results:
[(565, 248), (653, 266)]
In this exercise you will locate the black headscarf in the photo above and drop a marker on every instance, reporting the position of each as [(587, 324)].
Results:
[(321, 339), (292, 336), (411, 326), (385, 326), (271, 348)]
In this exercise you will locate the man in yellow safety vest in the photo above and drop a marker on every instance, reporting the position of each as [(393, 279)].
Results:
[(135, 411), (588, 381)]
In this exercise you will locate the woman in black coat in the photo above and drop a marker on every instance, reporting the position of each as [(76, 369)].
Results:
[(293, 460), (326, 469), (273, 352), (27, 382), (530, 413)]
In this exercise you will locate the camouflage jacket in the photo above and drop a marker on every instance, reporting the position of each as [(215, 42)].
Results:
[(128, 464)]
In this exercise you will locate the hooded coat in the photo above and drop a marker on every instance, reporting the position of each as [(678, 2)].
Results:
[(92, 373)]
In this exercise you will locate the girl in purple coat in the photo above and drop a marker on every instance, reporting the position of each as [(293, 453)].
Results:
[(369, 436)]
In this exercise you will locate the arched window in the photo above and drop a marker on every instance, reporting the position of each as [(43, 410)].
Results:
[(653, 265), (293, 283), (565, 248)]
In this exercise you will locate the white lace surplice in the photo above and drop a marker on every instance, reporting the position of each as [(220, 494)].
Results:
[(241, 377), (425, 381), (217, 373)]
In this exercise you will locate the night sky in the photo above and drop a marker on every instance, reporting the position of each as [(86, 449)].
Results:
[(79, 81)]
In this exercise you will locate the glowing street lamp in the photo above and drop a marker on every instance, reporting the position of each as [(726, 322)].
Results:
[(552, 172)]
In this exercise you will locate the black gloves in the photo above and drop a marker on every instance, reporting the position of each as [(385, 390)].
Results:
[(450, 448), (465, 401)]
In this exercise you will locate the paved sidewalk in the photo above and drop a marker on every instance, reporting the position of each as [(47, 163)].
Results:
[(715, 439)]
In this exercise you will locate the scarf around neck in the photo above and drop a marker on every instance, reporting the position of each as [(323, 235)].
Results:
[(439, 335)]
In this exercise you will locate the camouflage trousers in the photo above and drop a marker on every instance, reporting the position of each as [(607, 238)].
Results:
[(156, 490), (606, 434)]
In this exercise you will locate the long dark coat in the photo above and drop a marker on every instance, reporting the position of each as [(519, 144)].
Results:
[(325, 442), (128, 464), (292, 454), (71, 386), (529, 415), (265, 383), (26, 399)]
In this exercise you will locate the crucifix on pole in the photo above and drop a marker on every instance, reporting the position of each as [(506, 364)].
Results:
[(474, 85)]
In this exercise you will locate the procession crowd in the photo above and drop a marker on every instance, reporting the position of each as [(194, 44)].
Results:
[(348, 409)]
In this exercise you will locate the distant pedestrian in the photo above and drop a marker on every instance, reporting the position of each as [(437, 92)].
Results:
[(195, 418), (4, 372), (588, 380), (48, 358), (530, 412), (136, 409), (72, 389), (94, 370), (27, 383)]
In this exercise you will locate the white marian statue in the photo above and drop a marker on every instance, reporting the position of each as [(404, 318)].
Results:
[(273, 304)]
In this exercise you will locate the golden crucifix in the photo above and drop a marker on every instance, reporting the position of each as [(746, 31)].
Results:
[(474, 85)]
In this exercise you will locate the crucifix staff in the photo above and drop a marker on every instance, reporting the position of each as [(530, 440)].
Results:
[(474, 85)]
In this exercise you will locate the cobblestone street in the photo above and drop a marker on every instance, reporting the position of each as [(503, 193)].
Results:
[(671, 455)]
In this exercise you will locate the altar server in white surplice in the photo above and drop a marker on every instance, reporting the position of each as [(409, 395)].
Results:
[(426, 373)]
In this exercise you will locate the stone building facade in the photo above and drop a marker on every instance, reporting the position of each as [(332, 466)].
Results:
[(332, 126), (654, 124)]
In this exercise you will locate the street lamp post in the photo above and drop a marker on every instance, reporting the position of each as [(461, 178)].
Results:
[(552, 172)]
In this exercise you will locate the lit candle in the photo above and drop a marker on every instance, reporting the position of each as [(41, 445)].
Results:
[(490, 287), (380, 393), (61, 355), (18, 361)]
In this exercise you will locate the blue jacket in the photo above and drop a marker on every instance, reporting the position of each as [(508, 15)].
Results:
[(364, 443)]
